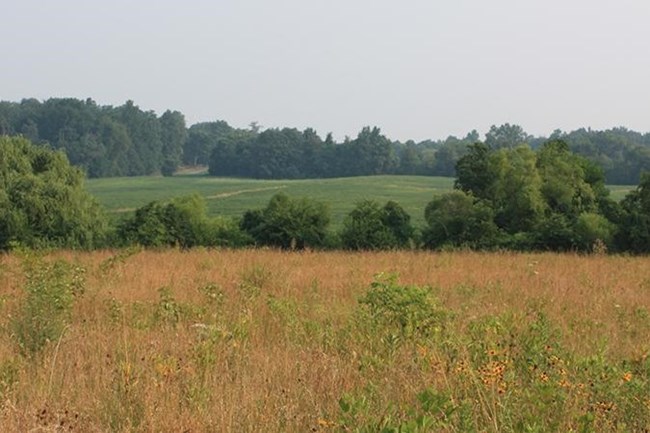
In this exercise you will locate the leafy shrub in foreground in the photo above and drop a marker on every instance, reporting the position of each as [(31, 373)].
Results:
[(51, 288)]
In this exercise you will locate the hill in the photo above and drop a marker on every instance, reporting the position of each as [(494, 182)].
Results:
[(229, 196)]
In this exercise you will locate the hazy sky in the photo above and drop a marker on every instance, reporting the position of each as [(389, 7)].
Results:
[(417, 69)]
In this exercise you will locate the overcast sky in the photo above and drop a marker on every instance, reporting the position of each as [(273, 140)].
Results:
[(417, 69)]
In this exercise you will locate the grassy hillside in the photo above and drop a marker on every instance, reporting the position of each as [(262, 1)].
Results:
[(228, 196), (232, 197)]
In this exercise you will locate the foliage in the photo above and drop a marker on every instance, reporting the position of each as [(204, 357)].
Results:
[(410, 312), (173, 136), (181, 222), (42, 200), (288, 223), (634, 222), (50, 291), (456, 219), (371, 227), (126, 140)]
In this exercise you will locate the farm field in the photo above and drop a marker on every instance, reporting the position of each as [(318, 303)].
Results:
[(232, 197), (262, 340)]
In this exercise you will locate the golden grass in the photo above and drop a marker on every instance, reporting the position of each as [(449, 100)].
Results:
[(279, 351)]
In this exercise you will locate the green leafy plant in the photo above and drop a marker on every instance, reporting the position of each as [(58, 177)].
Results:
[(51, 288), (410, 312)]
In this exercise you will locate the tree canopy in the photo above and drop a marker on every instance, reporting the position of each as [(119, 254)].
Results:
[(128, 141), (42, 199)]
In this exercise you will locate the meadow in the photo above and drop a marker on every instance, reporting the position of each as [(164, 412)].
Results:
[(263, 340), (232, 196)]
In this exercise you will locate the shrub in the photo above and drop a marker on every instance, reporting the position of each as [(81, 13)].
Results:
[(371, 227), (51, 288), (288, 223), (406, 311)]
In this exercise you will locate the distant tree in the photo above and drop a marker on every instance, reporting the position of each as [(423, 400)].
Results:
[(634, 222), (564, 184), (456, 219), (43, 201), (371, 227), (233, 154), (143, 127), (473, 172), (516, 195), (365, 228), (506, 136), (202, 138), (410, 159), (182, 222), (447, 155), (371, 153), (288, 223), (173, 136)]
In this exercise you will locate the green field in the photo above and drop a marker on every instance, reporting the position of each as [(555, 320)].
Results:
[(231, 197)]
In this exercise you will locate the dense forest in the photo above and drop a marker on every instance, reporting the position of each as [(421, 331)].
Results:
[(110, 141)]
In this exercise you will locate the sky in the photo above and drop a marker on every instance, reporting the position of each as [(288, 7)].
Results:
[(417, 69)]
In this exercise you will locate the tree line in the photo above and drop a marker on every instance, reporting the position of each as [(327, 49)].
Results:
[(518, 198), (110, 141)]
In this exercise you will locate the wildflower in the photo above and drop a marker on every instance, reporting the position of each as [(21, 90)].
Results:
[(627, 377)]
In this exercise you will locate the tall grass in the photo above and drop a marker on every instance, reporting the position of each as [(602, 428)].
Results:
[(257, 340)]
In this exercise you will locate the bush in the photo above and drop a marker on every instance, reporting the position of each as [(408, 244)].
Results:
[(371, 227), (50, 292), (405, 311), (288, 223), (456, 219)]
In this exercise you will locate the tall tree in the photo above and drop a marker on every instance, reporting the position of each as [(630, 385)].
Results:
[(506, 136), (173, 134)]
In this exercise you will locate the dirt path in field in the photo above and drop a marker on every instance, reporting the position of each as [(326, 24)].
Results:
[(242, 191), (213, 197)]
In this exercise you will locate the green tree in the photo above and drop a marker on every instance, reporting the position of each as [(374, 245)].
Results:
[(515, 194), (564, 184), (506, 136), (473, 172), (181, 221), (43, 201), (371, 227), (364, 228), (457, 219), (592, 229), (288, 223), (202, 138), (398, 222), (173, 136), (634, 223)]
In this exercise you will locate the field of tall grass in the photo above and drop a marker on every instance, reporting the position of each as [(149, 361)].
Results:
[(262, 340)]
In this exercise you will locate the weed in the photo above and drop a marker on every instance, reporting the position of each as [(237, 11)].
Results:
[(51, 288), (118, 259), (403, 312)]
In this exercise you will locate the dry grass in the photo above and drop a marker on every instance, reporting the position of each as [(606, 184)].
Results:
[(275, 348)]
